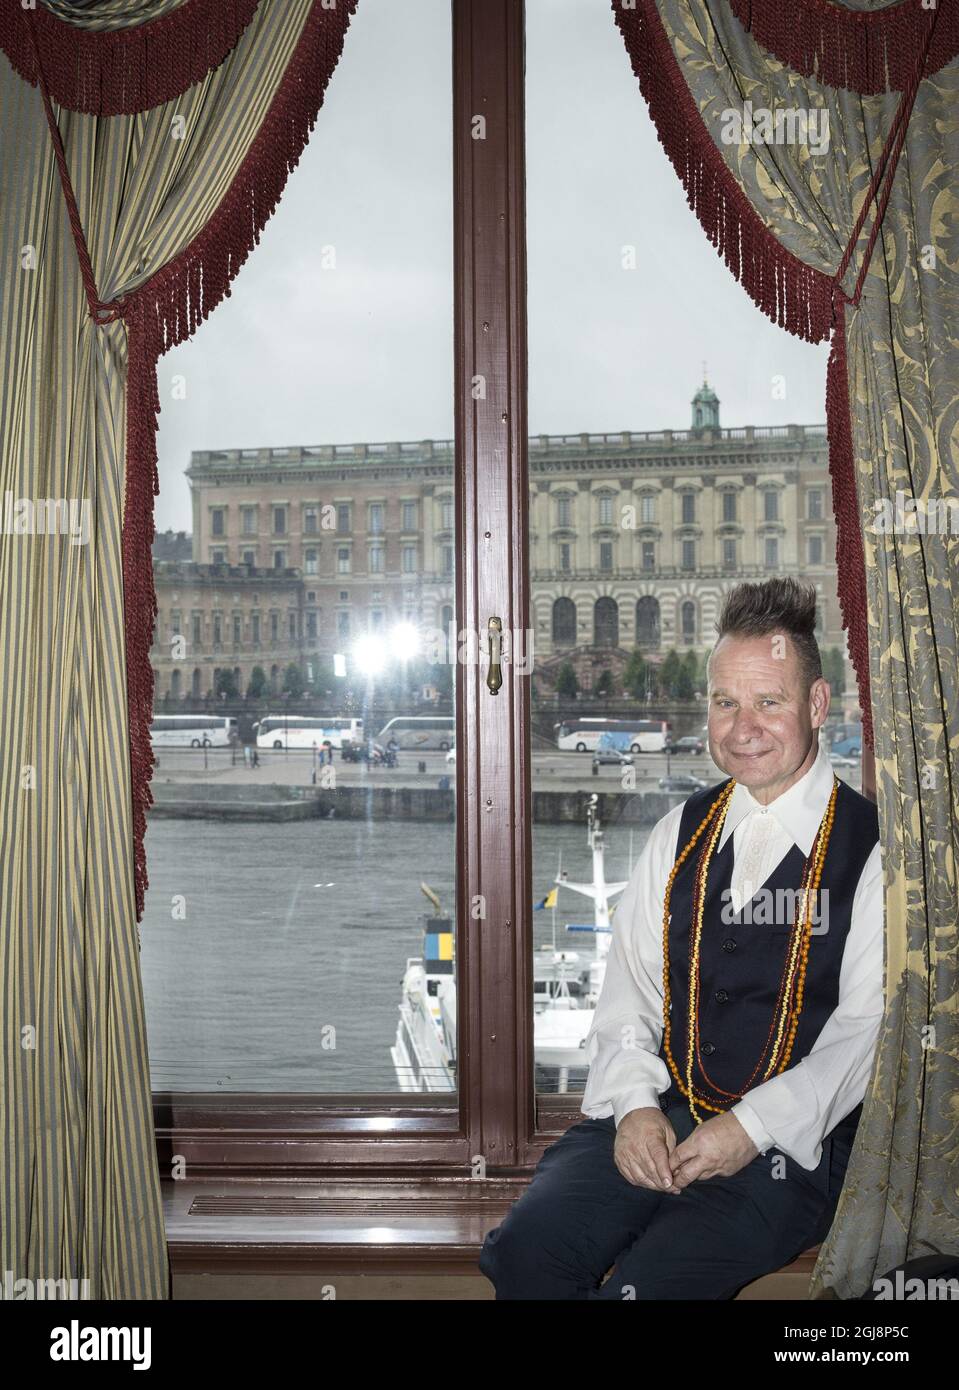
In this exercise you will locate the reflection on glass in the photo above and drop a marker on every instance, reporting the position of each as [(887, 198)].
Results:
[(298, 928), (668, 461)]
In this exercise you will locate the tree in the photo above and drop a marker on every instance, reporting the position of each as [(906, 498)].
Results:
[(834, 670), (293, 682), (669, 673), (566, 683), (258, 684), (604, 686), (684, 688), (635, 674), (224, 686)]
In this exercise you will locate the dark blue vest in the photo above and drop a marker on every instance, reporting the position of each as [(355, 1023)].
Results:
[(741, 962)]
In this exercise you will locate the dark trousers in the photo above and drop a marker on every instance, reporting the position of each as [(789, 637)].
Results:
[(579, 1216)]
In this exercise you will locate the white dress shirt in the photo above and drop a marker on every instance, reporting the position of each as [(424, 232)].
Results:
[(795, 1109)]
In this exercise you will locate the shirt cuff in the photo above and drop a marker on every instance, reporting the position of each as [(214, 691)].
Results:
[(639, 1098), (753, 1126)]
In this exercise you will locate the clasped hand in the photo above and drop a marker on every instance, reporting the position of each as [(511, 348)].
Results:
[(647, 1154)]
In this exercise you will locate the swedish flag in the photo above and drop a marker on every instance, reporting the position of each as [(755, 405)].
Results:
[(548, 901)]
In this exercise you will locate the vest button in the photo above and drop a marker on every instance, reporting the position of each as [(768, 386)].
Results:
[(709, 1049), (721, 996), (729, 944)]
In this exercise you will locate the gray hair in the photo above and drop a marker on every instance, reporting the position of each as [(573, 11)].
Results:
[(776, 606)]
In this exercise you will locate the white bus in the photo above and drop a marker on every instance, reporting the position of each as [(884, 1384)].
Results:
[(295, 731), (192, 731), (420, 731), (582, 735)]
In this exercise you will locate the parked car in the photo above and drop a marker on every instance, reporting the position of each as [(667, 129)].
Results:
[(681, 783), (843, 760), (613, 748), (847, 748), (689, 744), (451, 755)]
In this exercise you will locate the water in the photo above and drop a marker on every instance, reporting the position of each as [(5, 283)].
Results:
[(284, 974)]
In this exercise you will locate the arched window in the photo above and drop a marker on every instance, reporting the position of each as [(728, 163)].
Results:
[(688, 620), (606, 623), (647, 623), (196, 685), (175, 683), (564, 623), (274, 679)]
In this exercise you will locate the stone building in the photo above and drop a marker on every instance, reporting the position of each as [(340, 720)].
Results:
[(635, 537)]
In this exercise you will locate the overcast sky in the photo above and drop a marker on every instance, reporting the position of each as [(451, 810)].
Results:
[(361, 350)]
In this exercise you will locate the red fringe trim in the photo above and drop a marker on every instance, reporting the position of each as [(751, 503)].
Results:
[(864, 51), (851, 560), (165, 311), (791, 293), (117, 72)]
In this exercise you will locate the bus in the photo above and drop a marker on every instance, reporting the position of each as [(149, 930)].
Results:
[(297, 731), (193, 731), (582, 735), (420, 731)]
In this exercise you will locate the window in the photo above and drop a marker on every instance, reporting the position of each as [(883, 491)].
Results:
[(197, 629), (447, 559), (729, 554), (376, 559), (605, 511), (815, 550), (255, 628), (447, 514), (237, 629), (292, 627), (311, 625), (376, 518), (218, 556), (772, 553), (729, 506), (279, 521), (814, 504), (343, 560), (564, 563), (248, 520), (217, 630), (310, 562), (606, 556), (343, 518), (274, 627), (688, 507), (342, 624), (249, 558), (409, 516), (217, 526), (647, 509), (771, 504), (310, 521), (564, 511), (649, 556), (408, 559), (279, 559), (689, 555), (688, 619)]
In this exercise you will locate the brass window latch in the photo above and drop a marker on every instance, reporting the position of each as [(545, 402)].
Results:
[(494, 676)]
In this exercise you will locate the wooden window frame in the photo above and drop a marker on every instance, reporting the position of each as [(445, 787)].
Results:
[(495, 1111)]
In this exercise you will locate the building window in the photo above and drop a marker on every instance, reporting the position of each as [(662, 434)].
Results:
[(447, 559), (237, 629), (376, 518), (729, 555), (649, 556), (249, 558), (564, 511), (564, 622), (447, 514), (279, 521), (409, 516), (279, 560), (688, 622), (772, 553), (255, 628), (292, 627), (647, 623), (342, 624), (343, 518), (771, 504), (218, 557), (311, 524), (689, 507), (343, 560), (814, 504), (176, 620), (217, 629), (689, 555), (311, 564), (564, 561), (376, 620), (376, 559), (248, 520), (408, 559), (606, 623), (274, 627), (217, 527), (311, 626), (815, 550), (729, 506), (606, 556), (605, 511), (647, 509), (197, 629)]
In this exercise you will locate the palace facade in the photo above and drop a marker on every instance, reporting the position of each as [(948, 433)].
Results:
[(635, 538)]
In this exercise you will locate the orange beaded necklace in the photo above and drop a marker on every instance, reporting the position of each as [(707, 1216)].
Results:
[(785, 1019)]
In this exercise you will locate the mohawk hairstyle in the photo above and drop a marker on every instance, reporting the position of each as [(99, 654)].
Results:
[(777, 606)]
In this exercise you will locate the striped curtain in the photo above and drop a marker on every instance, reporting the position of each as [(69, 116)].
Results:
[(782, 215), (79, 1184)]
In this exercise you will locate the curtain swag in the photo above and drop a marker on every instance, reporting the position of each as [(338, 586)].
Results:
[(801, 299), (864, 51), (165, 311), (117, 72)]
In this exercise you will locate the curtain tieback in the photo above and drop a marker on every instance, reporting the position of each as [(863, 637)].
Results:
[(100, 310)]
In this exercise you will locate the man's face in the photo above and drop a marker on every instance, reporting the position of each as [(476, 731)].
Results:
[(762, 719)]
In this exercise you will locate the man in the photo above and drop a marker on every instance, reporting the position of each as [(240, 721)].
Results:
[(715, 1153)]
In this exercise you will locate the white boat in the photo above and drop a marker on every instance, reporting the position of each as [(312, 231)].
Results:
[(567, 985)]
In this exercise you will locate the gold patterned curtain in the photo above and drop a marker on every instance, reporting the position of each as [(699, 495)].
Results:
[(170, 198), (894, 395)]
